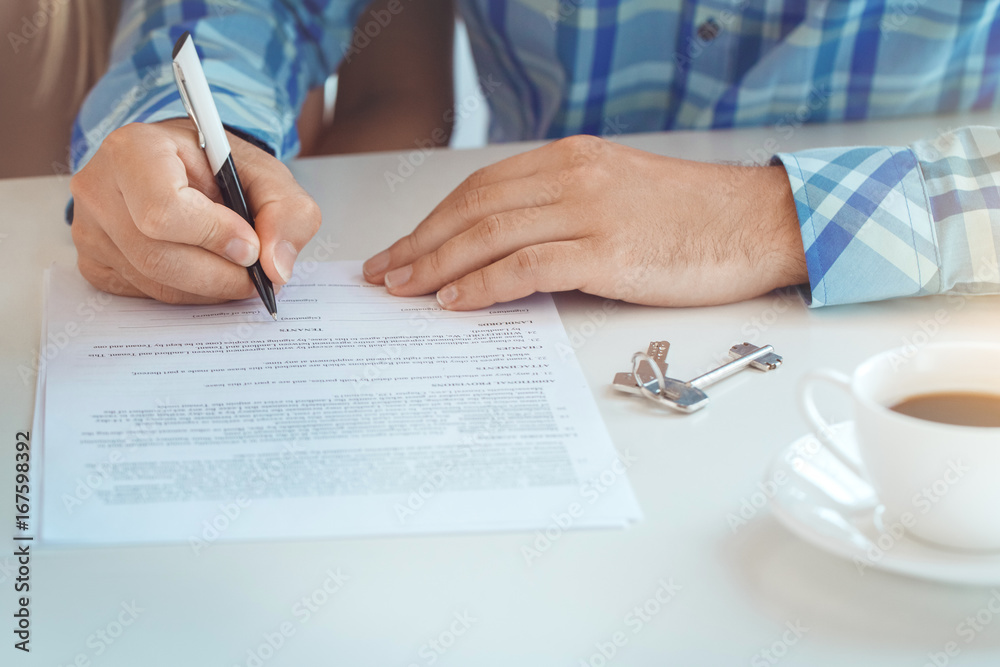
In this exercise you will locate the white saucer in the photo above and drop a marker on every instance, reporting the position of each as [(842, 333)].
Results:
[(824, 503)]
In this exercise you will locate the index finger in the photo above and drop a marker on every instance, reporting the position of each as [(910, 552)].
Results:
[(504, 186)]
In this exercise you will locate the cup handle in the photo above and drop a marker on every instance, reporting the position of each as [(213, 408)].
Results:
[(822, 428)]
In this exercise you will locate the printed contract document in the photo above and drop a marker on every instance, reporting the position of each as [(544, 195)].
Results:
[(356, 413)]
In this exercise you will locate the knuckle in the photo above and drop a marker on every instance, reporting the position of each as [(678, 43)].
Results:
[(123, 139), (154, 221), (580, 157), (435, 263), (104, 278), (491, 231), (470, 204), (85, 186), (581, 144), (166, 294), (92, 274), (527, 263), (115, 141), (547, 193), (483, 285), (158, 264), (78, 232), (235, 285), (310, 213), (476, 179), (411, 244), (79, 185)]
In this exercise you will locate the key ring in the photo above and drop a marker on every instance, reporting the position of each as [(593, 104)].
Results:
[(661, 383)]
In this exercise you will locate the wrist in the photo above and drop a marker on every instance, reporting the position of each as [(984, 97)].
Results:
[(782, 254)]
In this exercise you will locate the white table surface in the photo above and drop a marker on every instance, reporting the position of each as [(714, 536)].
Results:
[(739, 590)]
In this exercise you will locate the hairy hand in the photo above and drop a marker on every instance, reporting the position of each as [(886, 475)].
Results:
[(148, 218), (585, 213)]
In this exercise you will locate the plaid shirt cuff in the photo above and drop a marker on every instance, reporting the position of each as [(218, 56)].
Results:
[(881, 222), (161, 101), (866, 223), (961, 171)]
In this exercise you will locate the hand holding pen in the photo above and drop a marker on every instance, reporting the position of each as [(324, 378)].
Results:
[(194, 90), (148, 220)]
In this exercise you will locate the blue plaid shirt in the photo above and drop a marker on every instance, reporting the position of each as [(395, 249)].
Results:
[(877, 222)]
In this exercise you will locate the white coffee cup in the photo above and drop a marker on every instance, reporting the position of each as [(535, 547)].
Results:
[(940, 481)]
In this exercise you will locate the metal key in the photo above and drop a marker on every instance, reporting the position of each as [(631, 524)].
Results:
[(690, 396), (657, 351), (761, 358)]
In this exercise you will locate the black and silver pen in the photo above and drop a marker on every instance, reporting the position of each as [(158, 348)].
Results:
[(200, 105)]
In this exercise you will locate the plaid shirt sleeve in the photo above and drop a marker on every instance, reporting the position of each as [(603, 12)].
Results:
[(885, 222), (260, 58)]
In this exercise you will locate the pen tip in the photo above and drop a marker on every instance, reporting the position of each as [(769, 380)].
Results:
[(275, 316)]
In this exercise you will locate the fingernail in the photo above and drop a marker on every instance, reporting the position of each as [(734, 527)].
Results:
[(447, 295), (241, 252), (376, 264), (398, 277), (284, 259)]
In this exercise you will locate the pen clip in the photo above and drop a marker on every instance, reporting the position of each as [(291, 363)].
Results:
[(182, 88)]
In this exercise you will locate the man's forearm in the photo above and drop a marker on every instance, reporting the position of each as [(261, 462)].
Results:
[(258, 91)]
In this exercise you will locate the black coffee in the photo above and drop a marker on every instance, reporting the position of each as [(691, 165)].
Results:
[(962, 408)]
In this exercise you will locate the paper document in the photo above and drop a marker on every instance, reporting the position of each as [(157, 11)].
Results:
[(357, 413)]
